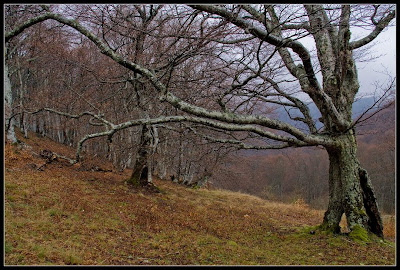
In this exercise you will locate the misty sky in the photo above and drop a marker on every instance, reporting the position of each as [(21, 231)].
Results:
[(369, 72)]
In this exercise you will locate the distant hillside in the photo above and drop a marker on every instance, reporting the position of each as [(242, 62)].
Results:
[(85, 214), (286, 175), (375, 128), (359, 107)]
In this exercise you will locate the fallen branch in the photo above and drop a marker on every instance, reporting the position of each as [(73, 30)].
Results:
[(50, 157), (71, 161)]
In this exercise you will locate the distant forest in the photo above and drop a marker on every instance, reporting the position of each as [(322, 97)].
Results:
[(301, 174)]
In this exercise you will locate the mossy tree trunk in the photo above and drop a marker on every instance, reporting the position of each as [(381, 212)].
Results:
[(350, 190)]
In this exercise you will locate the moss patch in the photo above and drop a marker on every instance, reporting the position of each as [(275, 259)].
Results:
[(326, 229), (359, 234)]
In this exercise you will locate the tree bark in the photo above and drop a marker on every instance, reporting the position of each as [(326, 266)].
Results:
[(140, 172), (8, 103), (350, 190), (375, 220)]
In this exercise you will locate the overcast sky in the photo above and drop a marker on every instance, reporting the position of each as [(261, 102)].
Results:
[(369, 72)]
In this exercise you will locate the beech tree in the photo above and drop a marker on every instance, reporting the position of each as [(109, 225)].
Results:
[(276, 68), (8, 101), (67, 74)]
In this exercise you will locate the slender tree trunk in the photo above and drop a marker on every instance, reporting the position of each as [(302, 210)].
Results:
[(179, 172), (154, 140), (149, 170), (350, 191), (162, 160), (8, 102), (21, 93), (25, 125)]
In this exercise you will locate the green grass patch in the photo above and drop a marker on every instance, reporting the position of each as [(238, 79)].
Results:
[(8, 248), (71, 258)]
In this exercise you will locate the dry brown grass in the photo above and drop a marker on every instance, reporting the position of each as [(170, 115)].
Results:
[(73, 215), (389, 227)]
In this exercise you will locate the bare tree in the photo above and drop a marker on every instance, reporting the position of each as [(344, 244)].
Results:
[(275, 32), (350, 188), (8, 102)]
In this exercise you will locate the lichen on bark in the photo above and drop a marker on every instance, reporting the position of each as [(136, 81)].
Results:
[(347, 193)]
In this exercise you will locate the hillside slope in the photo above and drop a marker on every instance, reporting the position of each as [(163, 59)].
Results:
[(264, 173), (85, 214)]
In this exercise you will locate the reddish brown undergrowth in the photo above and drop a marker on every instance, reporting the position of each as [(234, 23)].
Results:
[(77, 214)]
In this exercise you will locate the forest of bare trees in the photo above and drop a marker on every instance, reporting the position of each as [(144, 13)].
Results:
[(173, 90), (74, 79)]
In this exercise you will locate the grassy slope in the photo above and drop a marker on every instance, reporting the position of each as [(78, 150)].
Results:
[(73, 215)]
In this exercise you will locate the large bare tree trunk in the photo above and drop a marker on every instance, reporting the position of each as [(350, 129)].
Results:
[(350, 191), (140, 170)]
